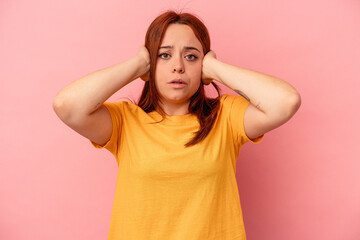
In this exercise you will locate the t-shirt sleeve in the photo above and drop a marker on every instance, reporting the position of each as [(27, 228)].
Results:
[(236, 107), (116, 113)]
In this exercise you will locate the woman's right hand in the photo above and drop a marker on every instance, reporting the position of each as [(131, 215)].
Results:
[(144, 60)]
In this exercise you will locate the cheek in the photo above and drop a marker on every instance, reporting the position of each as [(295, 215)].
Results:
[(158, 73), (196, 78), (196, 72)]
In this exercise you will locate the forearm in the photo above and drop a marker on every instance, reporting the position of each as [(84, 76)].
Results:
[(86, 94), (271, 95)]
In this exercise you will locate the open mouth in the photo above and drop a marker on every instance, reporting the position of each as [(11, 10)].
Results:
[(177, 82)]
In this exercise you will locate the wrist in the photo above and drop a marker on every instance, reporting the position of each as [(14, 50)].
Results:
[(143, 66), (212, 69)]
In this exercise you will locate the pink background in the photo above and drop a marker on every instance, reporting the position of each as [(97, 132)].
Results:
[(301, 182)]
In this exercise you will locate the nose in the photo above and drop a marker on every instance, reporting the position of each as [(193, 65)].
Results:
[(178, 65), (178, 69)]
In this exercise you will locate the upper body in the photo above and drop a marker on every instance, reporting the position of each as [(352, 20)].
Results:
[(176, 66), (165, 190)]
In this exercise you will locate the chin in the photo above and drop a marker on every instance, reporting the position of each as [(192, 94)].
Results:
[(178, 100)]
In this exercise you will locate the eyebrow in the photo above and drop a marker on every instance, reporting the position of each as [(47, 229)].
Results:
[(186, 47)]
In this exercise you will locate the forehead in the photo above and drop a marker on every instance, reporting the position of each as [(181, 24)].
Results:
[(179, 35)]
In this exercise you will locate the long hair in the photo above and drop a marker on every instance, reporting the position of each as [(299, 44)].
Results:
[(204, 108)]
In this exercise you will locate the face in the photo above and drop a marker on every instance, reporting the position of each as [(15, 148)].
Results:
[(179, 65)]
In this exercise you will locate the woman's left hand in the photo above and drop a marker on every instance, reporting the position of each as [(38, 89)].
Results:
[(206, 75)]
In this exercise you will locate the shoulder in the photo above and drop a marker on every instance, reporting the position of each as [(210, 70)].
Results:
[(233, 111), (233, 103), (130, 113), (228, 98), (121, 106)]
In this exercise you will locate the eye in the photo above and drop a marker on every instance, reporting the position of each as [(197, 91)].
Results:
[(164, 55), (191, 57)]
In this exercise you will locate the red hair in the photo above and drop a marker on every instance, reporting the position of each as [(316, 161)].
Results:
[(204, 108)]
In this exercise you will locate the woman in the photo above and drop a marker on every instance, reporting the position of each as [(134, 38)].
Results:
[(177, 149)]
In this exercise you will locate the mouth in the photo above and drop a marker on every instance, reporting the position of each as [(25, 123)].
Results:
[(177, 81)]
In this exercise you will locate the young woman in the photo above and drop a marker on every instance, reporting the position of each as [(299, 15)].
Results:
[(176, 149)]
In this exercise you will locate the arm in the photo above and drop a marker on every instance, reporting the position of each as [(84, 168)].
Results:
[(272, 101), (80, 104)]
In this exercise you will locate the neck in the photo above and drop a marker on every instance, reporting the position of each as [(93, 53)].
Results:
[(175, 109)]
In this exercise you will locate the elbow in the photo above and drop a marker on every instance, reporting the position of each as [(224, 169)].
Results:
[(61, 109), (295, 102), (68, 112), (292, 104), (57, 104), (285, 109)]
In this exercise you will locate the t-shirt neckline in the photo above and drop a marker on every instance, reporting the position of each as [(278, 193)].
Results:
[(168, 119)]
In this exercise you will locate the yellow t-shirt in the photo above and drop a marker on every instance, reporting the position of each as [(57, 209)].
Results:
[(165, 191)]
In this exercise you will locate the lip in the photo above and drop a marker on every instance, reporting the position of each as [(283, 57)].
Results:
[(177, 83)]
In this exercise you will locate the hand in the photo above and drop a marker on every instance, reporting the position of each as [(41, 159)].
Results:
[(144, 59), (206, 76)]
